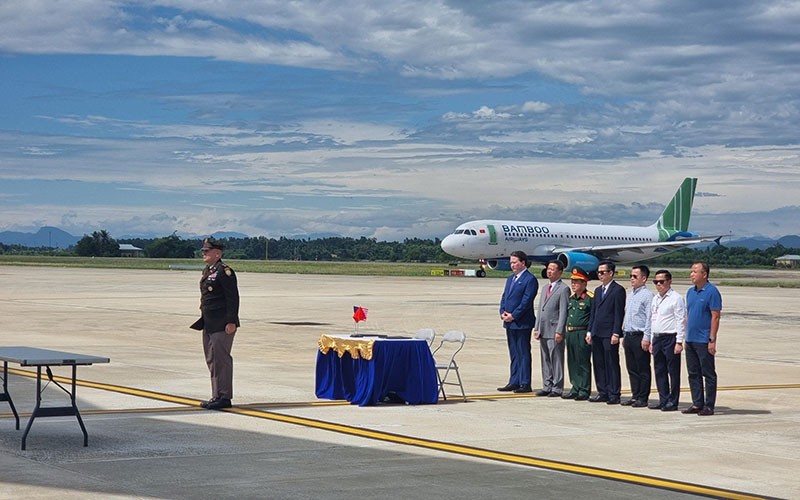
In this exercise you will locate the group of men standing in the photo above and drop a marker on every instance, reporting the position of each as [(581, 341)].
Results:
[(591, 326)]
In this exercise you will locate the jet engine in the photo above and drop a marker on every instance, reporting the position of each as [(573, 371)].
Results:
[(498, 264), (585, 261)]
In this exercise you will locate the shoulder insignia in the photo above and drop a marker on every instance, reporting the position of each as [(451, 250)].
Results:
[(590, 294), (228, 270)]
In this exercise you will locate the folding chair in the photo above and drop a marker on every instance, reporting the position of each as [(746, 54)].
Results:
[(428, 334), (452, 337)]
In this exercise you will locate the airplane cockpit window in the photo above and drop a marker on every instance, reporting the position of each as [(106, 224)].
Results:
[(459, 231), (473, 232)]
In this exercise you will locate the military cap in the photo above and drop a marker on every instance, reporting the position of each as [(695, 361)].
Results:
[(580, 274), (210, 243)]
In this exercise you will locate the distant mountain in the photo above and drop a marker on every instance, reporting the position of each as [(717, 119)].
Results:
[(227, 234), (792, 241), (760, 243), (751, 243), (47, 237)]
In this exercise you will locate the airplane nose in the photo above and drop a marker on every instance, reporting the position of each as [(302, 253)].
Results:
[(449, 244)]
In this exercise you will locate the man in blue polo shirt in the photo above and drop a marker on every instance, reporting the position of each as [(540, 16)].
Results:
[(704, 308)]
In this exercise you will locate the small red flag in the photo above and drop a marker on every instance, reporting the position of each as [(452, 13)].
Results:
[(359, 313)]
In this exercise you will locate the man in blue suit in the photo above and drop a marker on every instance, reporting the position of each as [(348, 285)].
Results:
[(516, 312), (605, 333)]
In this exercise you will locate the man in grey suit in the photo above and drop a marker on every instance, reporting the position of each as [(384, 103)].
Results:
[(549, 330)]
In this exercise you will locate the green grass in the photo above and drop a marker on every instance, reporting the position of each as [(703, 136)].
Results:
[(256, 266)]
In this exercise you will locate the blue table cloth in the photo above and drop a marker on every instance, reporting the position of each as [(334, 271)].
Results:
[(404, 368)]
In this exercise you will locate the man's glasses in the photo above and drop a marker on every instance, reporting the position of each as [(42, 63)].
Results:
[(205, 250), (659, 282), (603, 272), (634, 276)]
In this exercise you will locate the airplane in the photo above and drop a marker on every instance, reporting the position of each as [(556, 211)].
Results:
[(584, 245)]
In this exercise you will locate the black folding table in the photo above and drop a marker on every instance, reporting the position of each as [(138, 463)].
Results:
[(33, 356)]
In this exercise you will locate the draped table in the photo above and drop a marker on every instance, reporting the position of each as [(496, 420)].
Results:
[(366, 370)]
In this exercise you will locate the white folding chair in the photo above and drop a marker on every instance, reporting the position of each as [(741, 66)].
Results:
[(427, 334), (455, 340)]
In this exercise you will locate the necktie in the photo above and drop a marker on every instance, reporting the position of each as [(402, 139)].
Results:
[(604, 292), (549, 290)]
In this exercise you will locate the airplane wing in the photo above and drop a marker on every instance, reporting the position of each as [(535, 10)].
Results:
[(611, 251)]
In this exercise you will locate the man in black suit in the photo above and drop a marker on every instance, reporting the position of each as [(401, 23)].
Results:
[(219, 320), (605, 332), (516, 312)]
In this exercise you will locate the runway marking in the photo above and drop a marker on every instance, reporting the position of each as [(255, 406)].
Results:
[(429, 444)]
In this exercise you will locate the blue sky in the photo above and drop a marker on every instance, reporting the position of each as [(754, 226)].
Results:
[(395, 119)]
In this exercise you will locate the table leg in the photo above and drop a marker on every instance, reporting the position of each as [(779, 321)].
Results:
[(35, 408), (57, 411), (75, 407), (5, 396)]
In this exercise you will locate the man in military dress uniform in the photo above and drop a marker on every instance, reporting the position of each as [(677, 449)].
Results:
[(579, 353), (219, 319)]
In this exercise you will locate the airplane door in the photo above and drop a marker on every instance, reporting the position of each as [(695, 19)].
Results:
[(492, 234)]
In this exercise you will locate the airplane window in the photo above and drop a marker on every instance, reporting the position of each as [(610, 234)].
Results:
[(473, 233)]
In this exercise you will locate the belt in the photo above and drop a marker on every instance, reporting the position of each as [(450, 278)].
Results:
[(576, 328), (663, 334), (637, 332)]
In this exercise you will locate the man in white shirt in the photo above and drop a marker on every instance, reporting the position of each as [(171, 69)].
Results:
[(668, 329)]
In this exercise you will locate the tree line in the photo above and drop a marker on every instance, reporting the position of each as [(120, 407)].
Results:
[(102, 244)]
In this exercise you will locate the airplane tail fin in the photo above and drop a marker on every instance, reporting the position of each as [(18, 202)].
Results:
[(674, 220)]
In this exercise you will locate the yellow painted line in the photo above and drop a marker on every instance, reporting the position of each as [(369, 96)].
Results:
[(443, 446), (497, 455)]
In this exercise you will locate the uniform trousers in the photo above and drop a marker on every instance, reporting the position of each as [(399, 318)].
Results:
[(700, 365), (552, 357), (217, 348), (519, 350), (605, 357), (667, 367), (637, 361), (579, 363)]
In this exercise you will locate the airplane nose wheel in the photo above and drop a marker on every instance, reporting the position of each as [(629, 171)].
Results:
[(480, 273)]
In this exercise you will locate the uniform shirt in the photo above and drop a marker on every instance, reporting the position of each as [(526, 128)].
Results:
[(699, 304), (579, 311), (668, 315), (637, 312)]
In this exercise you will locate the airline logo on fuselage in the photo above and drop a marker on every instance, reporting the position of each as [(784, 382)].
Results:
[(526, 229), (521, 234)]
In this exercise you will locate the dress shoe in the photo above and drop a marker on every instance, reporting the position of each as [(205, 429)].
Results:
[(205, 404), (542, 392), (706, 411), (692, 409), (554, 395), (659, 406), (598, 399), (508, 388), (585, 397), (639, 404), (614, 401), (523, 389), (568, 395), (219, 404), (628, 402), (670, 408)]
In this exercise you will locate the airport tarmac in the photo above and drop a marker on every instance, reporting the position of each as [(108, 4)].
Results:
[(149, 439)]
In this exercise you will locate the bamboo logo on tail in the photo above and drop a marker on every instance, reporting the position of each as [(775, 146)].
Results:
[(674, 220)]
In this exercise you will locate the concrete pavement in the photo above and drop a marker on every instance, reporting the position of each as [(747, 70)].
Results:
[(280, 442)]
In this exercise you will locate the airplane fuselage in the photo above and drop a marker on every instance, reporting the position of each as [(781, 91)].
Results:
[(490, 239)]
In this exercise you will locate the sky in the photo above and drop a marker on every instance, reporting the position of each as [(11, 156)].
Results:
[(395, 119)]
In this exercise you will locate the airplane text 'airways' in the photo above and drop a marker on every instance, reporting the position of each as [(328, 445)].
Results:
[(526, 229)]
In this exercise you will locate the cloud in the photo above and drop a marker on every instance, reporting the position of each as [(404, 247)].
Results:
[(401, 119)]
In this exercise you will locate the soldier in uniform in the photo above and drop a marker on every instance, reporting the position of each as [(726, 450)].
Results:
[(579, 352), (219, 319)]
